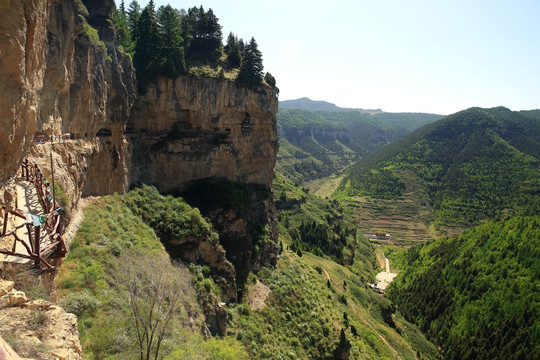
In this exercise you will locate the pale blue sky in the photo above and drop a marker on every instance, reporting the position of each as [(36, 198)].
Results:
[(438, 56)]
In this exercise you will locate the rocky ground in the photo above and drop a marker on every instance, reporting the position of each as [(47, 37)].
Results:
[(37, 329)]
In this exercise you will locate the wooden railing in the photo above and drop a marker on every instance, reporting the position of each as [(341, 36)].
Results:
[(38, 226)]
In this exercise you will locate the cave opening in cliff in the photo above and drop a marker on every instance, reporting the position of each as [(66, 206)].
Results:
[(104, 133), (247, 125)]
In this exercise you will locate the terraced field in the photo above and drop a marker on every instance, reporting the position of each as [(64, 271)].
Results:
[(407, 219)]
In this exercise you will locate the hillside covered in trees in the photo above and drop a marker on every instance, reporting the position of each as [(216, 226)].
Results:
[(476, 295), (472, 166), (171, 42), (318, 143)]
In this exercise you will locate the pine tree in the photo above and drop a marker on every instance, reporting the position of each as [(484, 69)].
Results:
[(251, 69), (122, 30), (133, 15), (270, 80), (172, 52), (231, 42), (233, 51), (203, 34), (152, 6), (147, 48)]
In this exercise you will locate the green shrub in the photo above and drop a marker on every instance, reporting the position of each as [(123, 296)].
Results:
[(62, 198), (81, 9), (80, 302), (93, 36)]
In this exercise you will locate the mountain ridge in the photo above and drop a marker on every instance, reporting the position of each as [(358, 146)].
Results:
[(473, 165), (305, 103)]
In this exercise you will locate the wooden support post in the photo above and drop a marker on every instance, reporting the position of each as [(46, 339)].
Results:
[(53, 189), (37, 244), (6, 214), (30, 240)]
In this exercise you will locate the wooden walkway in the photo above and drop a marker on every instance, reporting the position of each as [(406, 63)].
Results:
[(35, 226)]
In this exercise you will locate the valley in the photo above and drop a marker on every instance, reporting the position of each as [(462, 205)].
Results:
[(191, 214), (410, 198)]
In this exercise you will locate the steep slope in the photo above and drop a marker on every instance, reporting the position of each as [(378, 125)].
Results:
[(476, 295), (320, 226), (317, 309), (128, 295), (470, 166)]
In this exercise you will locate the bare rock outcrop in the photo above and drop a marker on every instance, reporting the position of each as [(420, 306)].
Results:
[(191, 134), (23, 45), (57, 78), (38, 329)]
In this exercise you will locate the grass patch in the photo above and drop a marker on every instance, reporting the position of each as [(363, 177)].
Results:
[(115, 256), (93, 36)]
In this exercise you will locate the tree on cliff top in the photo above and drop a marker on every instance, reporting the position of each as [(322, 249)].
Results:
[(203, 35), (133, 15), (232, 49), (122, 31), (172, 51), (148, 46), (251, 69)]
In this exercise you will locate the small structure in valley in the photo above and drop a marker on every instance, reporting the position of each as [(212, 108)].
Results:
[(384, 278)]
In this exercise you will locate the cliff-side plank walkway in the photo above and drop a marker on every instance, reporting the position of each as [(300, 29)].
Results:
[(36, 224)]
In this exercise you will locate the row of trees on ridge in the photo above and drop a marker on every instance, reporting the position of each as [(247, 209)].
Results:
[(169, 41)]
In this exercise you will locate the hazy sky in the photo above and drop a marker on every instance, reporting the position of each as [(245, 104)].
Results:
[(438, 56)]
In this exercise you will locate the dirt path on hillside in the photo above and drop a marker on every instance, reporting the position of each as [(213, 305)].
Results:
[(380, 259), (326, 274), (366, 322)]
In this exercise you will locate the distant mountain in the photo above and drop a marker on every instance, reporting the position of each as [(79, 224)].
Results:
[(318, 105), (471, 166), (316, 143), (308, 104)]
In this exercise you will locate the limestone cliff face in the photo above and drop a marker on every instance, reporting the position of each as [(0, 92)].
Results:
[(23, 44), (186, 130), (57, 80), (191, 128), (58, 77)]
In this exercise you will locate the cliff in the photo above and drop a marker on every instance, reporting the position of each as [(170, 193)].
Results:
[(60, 78), (62, 72), (191, 129), (194, 128)]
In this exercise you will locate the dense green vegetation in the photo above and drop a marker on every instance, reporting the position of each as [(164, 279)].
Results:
[(476, 294), (315, 144), (117, 268), (473, 165), (171, 42), (320, 226), (306, 314)]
